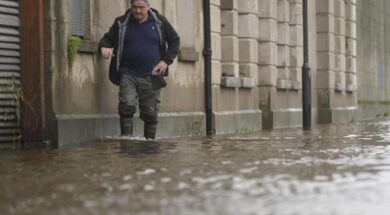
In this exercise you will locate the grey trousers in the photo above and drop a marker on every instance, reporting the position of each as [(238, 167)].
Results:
[(135, 90)]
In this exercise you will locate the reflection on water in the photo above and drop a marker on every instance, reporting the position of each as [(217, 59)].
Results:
[(336, 169)]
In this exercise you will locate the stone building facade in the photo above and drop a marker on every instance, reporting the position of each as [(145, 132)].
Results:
[(257, 55)]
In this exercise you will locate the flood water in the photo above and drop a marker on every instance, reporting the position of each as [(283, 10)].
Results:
[(334, 169)]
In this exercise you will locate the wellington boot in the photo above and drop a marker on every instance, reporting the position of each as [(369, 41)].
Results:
[(126, 127), (150, 131)]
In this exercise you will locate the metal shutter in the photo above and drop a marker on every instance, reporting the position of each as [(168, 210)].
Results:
[(9, 70), (78, 17)]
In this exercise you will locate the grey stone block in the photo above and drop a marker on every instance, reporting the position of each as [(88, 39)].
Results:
[(283, 84), (248, 82), (230, 82), (237, 121), (339, 87)]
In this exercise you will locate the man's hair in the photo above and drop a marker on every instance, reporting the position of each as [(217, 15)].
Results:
[(146, 1)]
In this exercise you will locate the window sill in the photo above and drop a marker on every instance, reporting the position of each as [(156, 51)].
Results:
[(88, 46), (188, 55)]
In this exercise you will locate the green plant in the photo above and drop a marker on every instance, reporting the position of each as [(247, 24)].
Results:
[(197, 128), (73, 45)]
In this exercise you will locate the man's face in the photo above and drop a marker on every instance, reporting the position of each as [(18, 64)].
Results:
[(139, 9)]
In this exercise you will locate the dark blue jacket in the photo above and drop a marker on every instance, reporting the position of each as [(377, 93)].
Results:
[(114, 38)]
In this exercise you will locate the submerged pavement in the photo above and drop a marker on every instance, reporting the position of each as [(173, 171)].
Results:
[(334, 169)]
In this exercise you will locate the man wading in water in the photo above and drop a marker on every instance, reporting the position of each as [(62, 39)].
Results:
[(141, 44)]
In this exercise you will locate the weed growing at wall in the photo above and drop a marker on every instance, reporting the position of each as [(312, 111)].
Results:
[(12, 111), (73, 45), (17, 98), (8, 113)]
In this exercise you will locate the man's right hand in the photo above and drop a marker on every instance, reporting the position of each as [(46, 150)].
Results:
[(106, 52)]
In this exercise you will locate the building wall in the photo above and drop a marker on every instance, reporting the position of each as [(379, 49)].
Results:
[(336, 60), (82, 100), (257, 57), (373, 57)]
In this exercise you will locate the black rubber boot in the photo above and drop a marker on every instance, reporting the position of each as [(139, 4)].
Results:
[(126, 127), (150, 131)]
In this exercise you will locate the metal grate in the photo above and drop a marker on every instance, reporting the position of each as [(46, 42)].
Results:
[(9, 71)]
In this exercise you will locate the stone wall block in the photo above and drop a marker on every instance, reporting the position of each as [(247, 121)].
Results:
[(249, 70), (268, 9), (350, 2), (296, 14), (296, 56), (282, 73), (283, 56), (215, 2), (340, 26), (229, 49), (229, 22), (296, 1), (248, 26), (340, 44), (268, 76), (268, 30), (351, 79), (217, 72), (296, 74), (351, 29), (350, 12), (325, 61), (268, 53), (230, 69), (340, 8), (229, 4), (215, 14), (351, 64), (351, 47), (325, 42), (325, 23), (283, 33), (325, 79), (248, 50), (283, 11), (216, 46), (340, 63), (296, 38), (248, 6), (325, 6)]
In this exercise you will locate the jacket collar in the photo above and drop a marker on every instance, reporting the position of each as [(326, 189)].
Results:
[(152, 12)]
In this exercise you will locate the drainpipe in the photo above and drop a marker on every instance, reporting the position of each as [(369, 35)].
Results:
[(207, 67), (306, 76)]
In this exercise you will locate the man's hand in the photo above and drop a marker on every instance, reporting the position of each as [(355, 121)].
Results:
[(160, 68), (106, 52)]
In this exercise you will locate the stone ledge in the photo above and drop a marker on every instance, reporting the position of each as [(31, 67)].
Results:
[(245, 121), (76, 129), (248, 82), (230, 82), (351, 88), (282, 84), (296, 85), (337, 115), (286, 118), (339, 87), (188, 55)]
